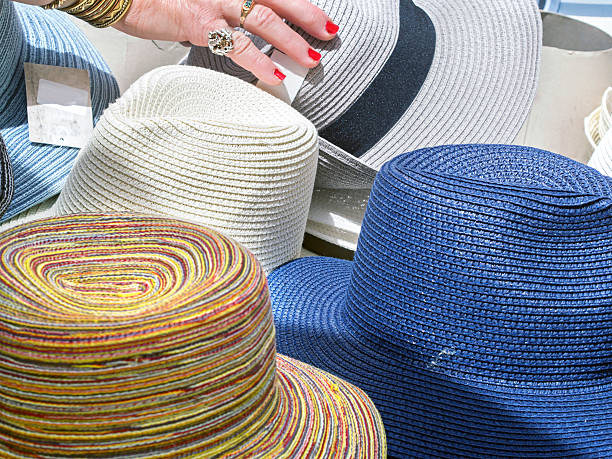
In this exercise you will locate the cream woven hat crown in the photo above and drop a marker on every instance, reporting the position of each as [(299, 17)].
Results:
[(206, 147)]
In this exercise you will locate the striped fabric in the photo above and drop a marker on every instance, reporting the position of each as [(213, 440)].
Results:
[(31, 34), (126, 336)]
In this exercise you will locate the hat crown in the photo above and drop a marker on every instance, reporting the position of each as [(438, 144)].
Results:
[(161, 316), (488, 261), (204, 147), (12, 50)]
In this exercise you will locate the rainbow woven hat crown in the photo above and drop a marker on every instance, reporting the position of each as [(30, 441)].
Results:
[(477, 313), (124, 336)]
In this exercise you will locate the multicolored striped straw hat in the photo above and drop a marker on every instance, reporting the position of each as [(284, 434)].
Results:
[(31, 34), (198, 145), (477, 314), (128, 336), (7, 186)]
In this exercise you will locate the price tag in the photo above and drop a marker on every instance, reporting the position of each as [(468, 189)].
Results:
[(59, 105), (295, 75)]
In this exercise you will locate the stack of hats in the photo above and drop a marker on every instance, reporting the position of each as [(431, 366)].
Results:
[(477, 312), (198, 145), (475, 317), (127, 336), (429, 72), (30, 34)]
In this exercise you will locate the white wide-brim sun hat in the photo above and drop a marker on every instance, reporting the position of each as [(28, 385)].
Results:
[(576, 67), (205, 147)]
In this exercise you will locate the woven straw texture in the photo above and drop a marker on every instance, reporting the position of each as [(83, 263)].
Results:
[(479, 88), (42, 210), (599, 120), (30, 34), (477, 313), (127, 336), (7, 185), (199, 145)]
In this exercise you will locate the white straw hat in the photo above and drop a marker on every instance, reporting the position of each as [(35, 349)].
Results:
[(407, 74), (576, 67), (597, 127), (599, 120), (202, 146)]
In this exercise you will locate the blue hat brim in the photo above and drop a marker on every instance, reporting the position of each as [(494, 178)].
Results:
[(425, 411), (40, 170)]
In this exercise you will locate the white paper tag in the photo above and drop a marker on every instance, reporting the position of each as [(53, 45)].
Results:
[(59, 105), (50, 92), (295, 75)]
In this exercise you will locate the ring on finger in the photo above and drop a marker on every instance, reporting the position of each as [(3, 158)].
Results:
[(247, 6), (220, 41)]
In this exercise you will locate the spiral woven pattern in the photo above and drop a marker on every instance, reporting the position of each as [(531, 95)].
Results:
[(202, 146), (126, 336), (477, 312)]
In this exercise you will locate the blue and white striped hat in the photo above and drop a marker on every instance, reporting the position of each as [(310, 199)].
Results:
[(30, 34)]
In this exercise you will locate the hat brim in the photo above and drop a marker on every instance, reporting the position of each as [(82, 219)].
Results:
[(423, 409), (479, 88), (318, 415), (322, 416), (40, 170), (335, 218)]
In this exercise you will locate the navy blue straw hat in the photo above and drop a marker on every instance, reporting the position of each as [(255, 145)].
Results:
[(477, 313), (31, 34)]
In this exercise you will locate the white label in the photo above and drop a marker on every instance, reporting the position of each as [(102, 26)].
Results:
[(59, 105), (295, 75), (50, 92)]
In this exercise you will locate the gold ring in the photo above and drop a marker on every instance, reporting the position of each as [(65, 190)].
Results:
[(247, 6)]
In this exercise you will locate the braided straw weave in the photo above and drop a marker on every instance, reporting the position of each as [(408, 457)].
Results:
[(125, 336), (600, 120), (597, 126), (202, 146)]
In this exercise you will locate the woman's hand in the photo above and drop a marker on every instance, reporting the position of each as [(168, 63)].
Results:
[(191, 20)]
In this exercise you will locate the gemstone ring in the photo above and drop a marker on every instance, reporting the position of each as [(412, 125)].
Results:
[(220, 41), (247, 6)]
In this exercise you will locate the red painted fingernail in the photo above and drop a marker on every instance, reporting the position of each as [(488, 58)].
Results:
[(280, 75), (314, 55), (331, 27)]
